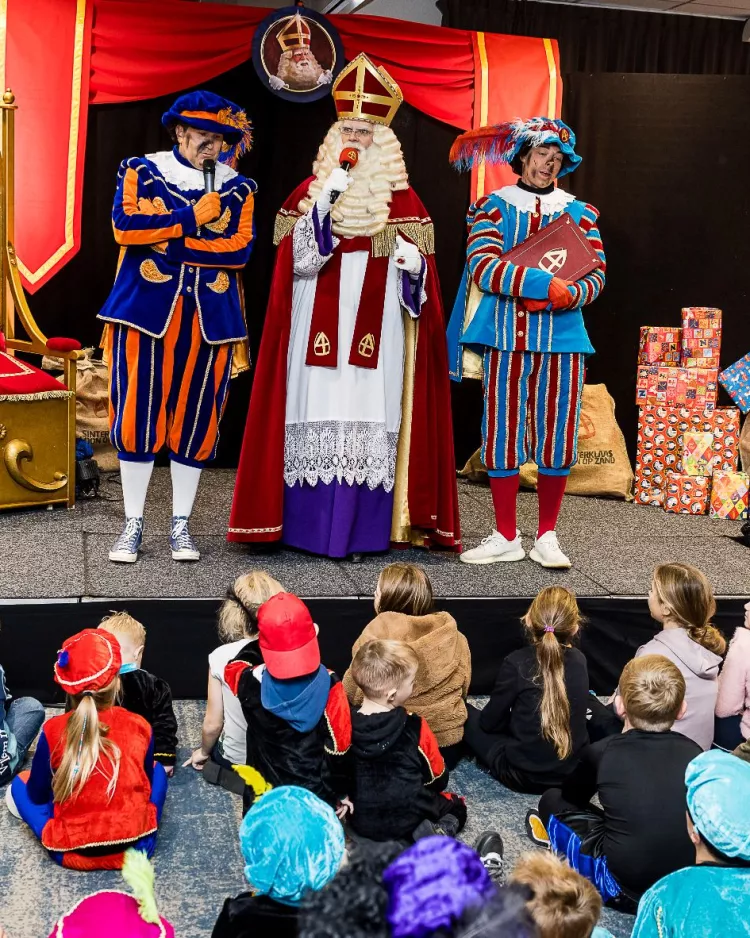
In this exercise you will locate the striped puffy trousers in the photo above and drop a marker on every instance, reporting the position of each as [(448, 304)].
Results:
[(532, 404), (169, 391)]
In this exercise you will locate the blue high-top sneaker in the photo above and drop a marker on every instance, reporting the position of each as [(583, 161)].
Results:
[(125, 548), (182, 544)]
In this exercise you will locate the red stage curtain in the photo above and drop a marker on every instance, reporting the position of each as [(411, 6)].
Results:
[(139, 53)]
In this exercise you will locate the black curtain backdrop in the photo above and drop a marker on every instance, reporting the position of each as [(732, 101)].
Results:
[(663, 160)]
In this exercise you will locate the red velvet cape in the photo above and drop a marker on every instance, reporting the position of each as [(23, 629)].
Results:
[(257, 506)]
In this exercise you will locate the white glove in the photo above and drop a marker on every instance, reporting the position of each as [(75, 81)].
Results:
[(406, 256), (325, 78), (338, 181), (277, 83)]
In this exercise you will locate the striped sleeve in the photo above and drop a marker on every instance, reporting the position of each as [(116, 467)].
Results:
[(484, 256), (226, 252), (132, 226), (588, 288)]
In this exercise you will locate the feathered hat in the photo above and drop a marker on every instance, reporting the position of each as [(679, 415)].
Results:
[(503, 143), (207, 111)]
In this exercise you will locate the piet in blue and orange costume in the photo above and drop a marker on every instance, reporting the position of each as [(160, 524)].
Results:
[(531, 346), (176, 326)]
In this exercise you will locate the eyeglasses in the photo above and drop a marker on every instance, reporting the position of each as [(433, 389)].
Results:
[(356, 132)]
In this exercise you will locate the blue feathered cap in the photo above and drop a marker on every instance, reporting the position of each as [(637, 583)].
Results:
[(502, 143), (292, 843), (205, 110), (718, 799)]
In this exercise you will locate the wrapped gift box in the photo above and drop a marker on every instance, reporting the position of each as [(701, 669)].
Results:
[(695, 388), (701, 348), (736, 381), (727, 438), (729, 495), (701, 317), (659, 448), (685, 494), (659, 344), (698, 453)]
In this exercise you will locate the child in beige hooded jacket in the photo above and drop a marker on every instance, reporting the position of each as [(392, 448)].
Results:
[(403, 601)]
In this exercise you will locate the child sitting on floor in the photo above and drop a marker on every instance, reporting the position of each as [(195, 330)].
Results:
[(562, 903), (20, 721), (142, 692), (224, 732), (533, 728), (298, 718), (292, 844), (712, 897), (638, 835), (94, 788), (398, 776), (732, 723), (403, 602)]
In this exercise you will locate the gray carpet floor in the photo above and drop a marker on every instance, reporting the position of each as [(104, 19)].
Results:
[(614, 546), (197, 858)]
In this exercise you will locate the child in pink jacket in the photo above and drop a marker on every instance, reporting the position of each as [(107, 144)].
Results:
[(732, 724)]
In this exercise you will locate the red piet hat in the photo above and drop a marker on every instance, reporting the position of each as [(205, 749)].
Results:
[(287, 638), (88, 661)]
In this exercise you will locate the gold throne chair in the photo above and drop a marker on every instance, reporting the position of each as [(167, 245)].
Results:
[(37, 411)]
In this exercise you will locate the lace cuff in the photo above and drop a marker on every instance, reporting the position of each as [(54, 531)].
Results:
[(313, 243), (348, 451)]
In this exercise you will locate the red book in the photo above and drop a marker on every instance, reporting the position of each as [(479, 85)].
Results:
[(561, 249)]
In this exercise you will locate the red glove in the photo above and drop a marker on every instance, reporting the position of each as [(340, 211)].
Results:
[(559, 297)]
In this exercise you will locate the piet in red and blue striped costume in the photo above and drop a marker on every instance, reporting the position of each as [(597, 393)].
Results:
[(175, 309), (533, 362)]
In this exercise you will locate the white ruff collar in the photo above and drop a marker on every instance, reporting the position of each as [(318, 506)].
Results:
[(551, 203), (187, 178)]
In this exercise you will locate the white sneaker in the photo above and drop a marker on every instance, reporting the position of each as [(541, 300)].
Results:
[(546, 551), (10, 803), (495, 548)]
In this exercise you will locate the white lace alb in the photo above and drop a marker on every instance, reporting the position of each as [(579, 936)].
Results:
[(348, 451), (307, 257)]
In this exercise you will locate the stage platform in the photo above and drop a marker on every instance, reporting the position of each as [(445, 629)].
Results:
[(56, 578)]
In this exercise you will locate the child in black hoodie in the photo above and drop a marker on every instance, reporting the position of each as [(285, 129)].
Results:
[(397, 774)]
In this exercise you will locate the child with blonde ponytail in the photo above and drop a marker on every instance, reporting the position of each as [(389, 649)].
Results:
[(534, 725), (94, 789)]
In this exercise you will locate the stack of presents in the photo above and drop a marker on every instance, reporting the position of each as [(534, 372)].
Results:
[(688, 448)]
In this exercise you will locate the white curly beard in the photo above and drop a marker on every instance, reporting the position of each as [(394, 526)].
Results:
[(364, 208)]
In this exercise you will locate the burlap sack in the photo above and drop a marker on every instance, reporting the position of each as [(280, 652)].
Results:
[(745, 445), (603, 467)]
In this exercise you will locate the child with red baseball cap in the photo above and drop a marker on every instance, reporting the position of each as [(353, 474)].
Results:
[(298, 717), (93, 790)]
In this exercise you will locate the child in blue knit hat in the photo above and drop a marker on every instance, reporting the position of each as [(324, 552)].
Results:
[(712, 897), (292, 844)]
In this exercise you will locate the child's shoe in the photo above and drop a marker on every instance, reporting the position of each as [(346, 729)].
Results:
[(535, 829), (489, 845)]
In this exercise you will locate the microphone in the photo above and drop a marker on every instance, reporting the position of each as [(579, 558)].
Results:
[(209, 175), (348, 158)]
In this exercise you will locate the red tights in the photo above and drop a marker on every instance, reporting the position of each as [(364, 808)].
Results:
[(505, 491)]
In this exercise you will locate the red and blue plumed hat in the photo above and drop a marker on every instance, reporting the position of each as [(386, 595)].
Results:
[(503, 143), (205, 110)]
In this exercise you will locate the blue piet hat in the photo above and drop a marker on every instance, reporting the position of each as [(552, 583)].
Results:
[(718, 799), (503, 143), (207, 111)]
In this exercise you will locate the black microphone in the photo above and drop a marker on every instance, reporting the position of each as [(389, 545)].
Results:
[(348, 158), (209, 175)]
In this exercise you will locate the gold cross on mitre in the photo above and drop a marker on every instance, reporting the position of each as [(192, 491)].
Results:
[(366, 92), (295, 35)]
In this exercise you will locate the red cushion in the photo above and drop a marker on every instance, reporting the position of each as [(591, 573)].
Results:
[(18, 377), (60, 344)]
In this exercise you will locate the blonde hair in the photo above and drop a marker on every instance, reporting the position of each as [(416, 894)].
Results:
[(365, 206), (86, 746), (690, 597), (382, 664), (122, 623), (563, 903), (551, 622), (404, 587), (652, 689), (238, 614)]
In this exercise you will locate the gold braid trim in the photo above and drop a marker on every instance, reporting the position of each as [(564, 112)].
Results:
[(418, 230), (221, 224), (36, 396), (284, 223)]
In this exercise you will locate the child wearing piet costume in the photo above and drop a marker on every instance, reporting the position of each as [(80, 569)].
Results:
[(292, 844), (118, 913), (527, 326), (94, 789)]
